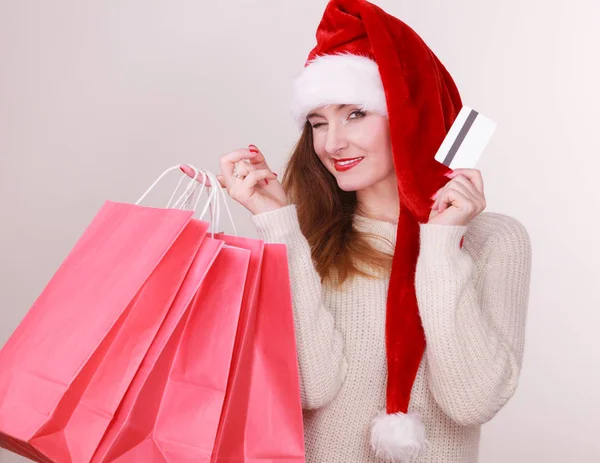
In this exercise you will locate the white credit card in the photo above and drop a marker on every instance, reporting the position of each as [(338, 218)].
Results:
[(466, 140)]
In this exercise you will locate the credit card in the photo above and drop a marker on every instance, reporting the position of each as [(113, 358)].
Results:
[(465, 141)]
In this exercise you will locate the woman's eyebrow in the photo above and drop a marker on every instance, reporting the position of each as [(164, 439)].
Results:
[(340, 106)]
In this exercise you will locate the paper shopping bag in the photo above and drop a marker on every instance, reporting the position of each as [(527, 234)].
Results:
[(189, 416), (66, 367), (176, 411), (262, 417), (180, 375)]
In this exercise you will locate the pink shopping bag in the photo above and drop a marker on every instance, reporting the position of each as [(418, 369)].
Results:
[(68, 364), (180, 425), (169, 409), (262, 415)]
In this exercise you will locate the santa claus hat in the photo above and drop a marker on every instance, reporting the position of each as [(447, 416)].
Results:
[(367, 57)]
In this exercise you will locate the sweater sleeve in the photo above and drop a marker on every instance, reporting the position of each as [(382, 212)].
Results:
[(322, 364), (474, 343)]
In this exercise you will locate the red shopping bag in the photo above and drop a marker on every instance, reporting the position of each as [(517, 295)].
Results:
[(262, 414), (189, 416), (169, 409), (184, 407), (66, 367)]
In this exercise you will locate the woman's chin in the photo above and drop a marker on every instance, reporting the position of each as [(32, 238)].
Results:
[(350, 185)]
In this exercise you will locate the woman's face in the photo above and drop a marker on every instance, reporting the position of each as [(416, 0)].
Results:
[(353, 144)]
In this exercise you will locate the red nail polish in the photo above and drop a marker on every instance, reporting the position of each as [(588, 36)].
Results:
[(253, 148), (275, 174), (266, 181), (462, 240)]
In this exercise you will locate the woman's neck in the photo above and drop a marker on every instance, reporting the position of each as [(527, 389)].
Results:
[(380, 201)]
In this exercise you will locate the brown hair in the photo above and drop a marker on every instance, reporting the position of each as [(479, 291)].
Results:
[(325, 214)]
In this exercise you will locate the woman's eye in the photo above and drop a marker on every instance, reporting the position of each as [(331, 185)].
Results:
[(359, 113)]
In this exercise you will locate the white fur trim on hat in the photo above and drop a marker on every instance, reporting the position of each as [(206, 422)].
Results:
[(337, 79), (398, 437)]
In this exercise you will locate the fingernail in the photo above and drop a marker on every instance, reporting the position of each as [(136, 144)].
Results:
[(449, 174), (275, 174), (253, 148), (266, 181)]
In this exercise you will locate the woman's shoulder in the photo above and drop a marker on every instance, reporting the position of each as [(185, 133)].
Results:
[(495, 224), (495, 231)]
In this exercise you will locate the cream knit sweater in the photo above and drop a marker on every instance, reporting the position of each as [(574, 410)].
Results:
[(473, 305)]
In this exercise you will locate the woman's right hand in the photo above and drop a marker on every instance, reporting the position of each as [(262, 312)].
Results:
[(258, 190)]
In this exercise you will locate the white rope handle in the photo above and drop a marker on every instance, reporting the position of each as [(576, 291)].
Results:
[(193, 183), (212, 203), (213, 200), (184, 201), (216, 215), (172, 204), (218, 188)]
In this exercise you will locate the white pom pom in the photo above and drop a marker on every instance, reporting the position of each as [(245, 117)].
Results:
[(398, 437)]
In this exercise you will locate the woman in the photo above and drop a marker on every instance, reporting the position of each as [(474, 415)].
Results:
[(409, 301)]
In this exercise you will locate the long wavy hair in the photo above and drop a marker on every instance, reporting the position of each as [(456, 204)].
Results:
[(325, 214)]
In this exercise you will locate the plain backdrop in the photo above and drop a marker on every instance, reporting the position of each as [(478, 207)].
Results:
[(97, 98)]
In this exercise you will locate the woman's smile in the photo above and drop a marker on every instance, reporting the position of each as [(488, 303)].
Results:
[(342, 165)]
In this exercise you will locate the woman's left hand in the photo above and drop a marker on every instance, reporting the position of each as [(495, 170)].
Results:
[(460, 200)]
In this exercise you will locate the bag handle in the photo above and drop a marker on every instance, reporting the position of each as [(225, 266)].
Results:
[(172, 204), (191, 186), (213, 199)]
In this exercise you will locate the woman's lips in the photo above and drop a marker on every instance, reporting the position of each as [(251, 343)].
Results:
[(346, 164)]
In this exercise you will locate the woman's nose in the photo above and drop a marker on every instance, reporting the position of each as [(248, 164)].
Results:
[(335, 139)]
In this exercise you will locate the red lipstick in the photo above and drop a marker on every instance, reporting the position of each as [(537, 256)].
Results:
[(342, 165)]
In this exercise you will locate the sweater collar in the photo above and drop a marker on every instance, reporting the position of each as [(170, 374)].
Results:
[(377, 227)]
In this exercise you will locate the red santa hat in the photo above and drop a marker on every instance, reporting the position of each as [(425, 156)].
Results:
[(367, 57)]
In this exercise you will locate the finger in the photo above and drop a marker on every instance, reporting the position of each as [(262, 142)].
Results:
[(463, 184), (442, 194), (432, 214), (187, 170), (474, 175), (221, 180), (227, 162), (436, 197), (439, 195), (469, 189), (259, 160), (243, 169), (190, 172), (452, 197), (255, 177)]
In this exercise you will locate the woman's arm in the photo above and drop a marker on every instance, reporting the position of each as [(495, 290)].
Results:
[(475, 334), (322, 364)]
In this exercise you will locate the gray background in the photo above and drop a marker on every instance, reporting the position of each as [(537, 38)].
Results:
[(98, 97)]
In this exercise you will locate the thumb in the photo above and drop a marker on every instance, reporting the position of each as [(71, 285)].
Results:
[(261, 177), (259, 160)]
